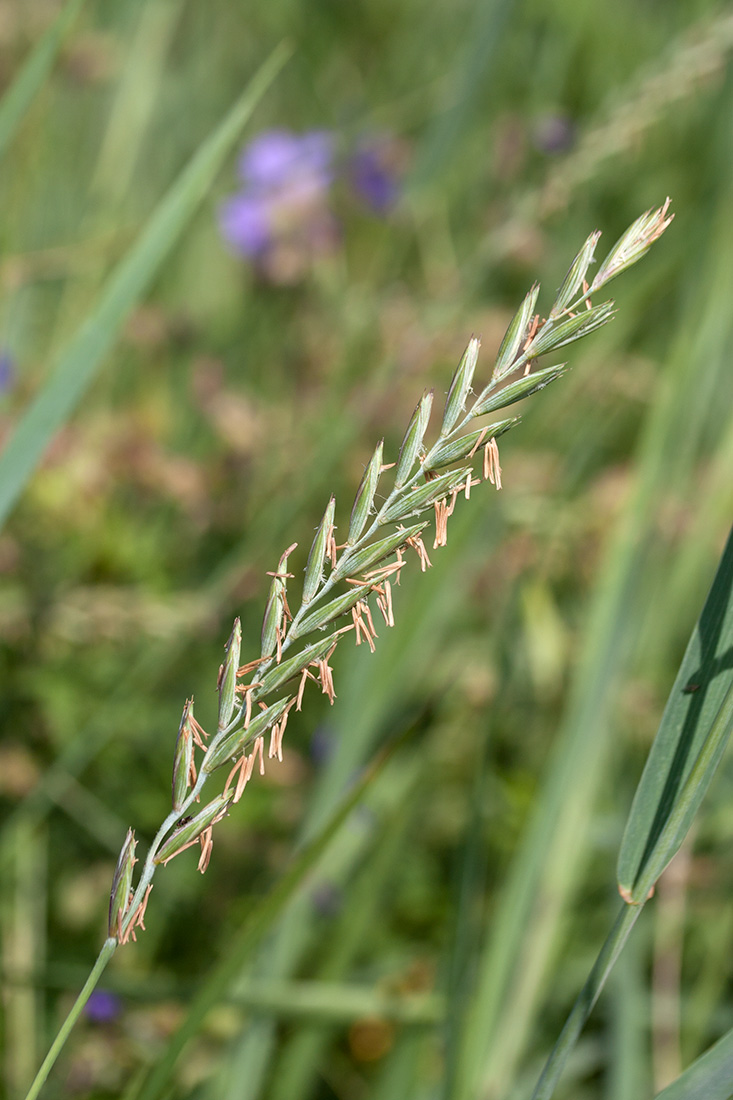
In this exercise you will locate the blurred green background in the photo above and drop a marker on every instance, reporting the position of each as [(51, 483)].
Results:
[(439, 946)]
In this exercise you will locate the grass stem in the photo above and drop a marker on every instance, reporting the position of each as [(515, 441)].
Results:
[(585, 1001), (108, 950)]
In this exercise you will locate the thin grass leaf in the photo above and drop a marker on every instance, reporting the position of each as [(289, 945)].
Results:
[(370, 555), (377, 865), (132, 109), (476, 66), (695, 728), (416, 501), (21, 93), (516, 334), (414, 436), (585, 1001), (365, 495), (555, 334), (443, 454), (82, 358), (317, 555), (524, 387), (330, 611), (460, 386), (573, 281), (549, 861), (372, 697)]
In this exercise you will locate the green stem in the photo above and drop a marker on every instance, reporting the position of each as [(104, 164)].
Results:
[(586, 1000), (108, 950)]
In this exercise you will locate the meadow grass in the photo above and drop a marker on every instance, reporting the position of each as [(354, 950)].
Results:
[(217, 411)]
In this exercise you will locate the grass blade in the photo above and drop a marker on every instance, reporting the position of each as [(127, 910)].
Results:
[(708, 1078), (20, 94), (691, 738), (80, 361), (587, 997), (520, 941)]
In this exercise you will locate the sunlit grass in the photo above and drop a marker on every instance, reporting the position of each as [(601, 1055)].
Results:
[(528, 669)]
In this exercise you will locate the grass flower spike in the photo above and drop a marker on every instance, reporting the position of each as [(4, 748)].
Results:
[(346, 586), (426, 480)]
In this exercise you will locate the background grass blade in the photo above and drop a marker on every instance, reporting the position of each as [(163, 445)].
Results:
[(368, 705), (78, 364), (522, 937), (665, 817), (689, 719), (587, 998), (708, 1078), (240, 394), (21, 93), (470, 76)]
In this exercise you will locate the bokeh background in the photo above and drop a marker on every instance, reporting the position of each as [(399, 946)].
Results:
[(415, 168)]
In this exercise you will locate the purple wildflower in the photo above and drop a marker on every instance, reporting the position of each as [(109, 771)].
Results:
[(245, 223), (374, 175), (277, 158), (554, 134), (322, 745), (103, 1006), (7, 371), (280, 218)]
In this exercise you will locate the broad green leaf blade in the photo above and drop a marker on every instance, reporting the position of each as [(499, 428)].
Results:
[(82, 358), (19, 96), (710, 1077), (687, 799), (693, 733)]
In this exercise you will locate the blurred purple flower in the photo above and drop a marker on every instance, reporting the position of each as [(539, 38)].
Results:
[(7, 371), (374, 175), (281, 218), (287, 178), (278, 158), (245, 224), (554, 134), (327, 899), (322, 745), (103, 1006)]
